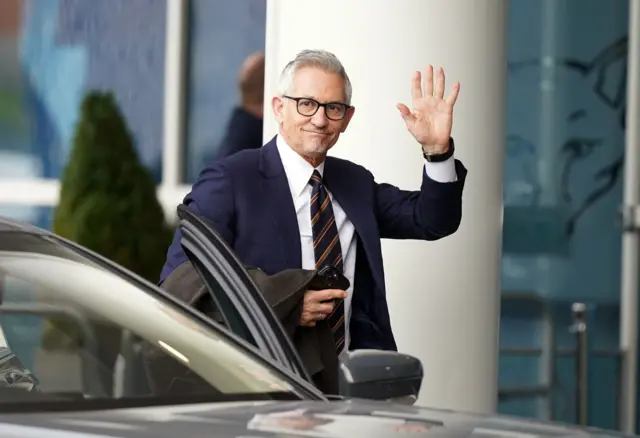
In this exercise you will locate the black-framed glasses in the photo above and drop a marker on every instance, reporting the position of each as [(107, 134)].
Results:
[(308, 107)]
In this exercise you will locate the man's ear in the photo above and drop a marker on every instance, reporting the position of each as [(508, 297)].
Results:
[(278, 106), (347, 118)]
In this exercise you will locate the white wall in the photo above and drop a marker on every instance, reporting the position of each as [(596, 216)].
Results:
[(443, 296)]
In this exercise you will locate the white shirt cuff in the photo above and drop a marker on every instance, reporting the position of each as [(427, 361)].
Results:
[(442, 172)]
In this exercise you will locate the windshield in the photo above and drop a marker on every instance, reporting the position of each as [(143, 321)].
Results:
[(71, 329)]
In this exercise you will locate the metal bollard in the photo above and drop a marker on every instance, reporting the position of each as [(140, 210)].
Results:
[(579, 328)]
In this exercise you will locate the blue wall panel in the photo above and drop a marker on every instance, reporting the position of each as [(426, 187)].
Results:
[(562, 188)]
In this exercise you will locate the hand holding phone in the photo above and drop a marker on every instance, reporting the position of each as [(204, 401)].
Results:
[(329, 277), (323, 291)]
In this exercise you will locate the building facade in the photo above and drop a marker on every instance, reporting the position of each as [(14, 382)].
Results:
[(541, 125)]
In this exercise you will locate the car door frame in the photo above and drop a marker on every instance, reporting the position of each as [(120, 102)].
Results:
[(201, 239)]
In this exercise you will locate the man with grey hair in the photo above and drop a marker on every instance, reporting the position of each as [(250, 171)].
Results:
[(288, 205)]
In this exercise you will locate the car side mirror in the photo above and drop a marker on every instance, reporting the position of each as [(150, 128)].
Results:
[(381, 375)]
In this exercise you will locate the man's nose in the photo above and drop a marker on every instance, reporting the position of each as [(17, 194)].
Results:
[(320, 118)]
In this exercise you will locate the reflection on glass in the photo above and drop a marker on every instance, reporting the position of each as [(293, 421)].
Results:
[(14, 376), (566, 100), (105, 337), (566, 109), (52, 52), (25, 329), (223, 34), (344, 424)]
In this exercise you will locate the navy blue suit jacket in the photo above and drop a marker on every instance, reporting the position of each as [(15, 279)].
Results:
[(246, 195)]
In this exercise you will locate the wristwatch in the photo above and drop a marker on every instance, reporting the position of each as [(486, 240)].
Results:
[(438, 158)]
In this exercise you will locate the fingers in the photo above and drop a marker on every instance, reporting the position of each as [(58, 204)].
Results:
[(439, 91), (433, 88), (416, 88), (308, 318), (314, 313), (307, 321), (428, 81), (318, 305), (324, 295), (453, 96), (320, 308), (405, 113)]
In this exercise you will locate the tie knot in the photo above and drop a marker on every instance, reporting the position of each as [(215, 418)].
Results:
[(316, 178)]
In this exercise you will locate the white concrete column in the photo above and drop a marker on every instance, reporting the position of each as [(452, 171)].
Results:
[(631, 237), (443, 296)]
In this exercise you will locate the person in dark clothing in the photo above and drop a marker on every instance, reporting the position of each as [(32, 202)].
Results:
[(244, 128), (284, 292)]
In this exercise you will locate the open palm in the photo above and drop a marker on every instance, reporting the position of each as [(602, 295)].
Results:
[(431, 118)]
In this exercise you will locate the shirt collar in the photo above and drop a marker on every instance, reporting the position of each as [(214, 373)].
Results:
[(297, 169)]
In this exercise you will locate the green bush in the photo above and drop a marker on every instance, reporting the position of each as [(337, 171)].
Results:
[(108, 200)]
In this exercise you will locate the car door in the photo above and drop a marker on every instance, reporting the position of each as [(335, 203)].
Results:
[(241, 305)]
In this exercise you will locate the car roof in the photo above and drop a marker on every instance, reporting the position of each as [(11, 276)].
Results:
[(21, 236), (10, 225)]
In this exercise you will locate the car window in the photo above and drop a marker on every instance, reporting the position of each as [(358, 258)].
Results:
[(80, 331), (220, 306), (234, 291)]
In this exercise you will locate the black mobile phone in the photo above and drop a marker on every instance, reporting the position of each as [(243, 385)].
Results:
[(329, 277)]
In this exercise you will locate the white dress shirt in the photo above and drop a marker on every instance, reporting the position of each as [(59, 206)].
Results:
[(298, 172)]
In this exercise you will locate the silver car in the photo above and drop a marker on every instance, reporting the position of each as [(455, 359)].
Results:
[(88, 349)]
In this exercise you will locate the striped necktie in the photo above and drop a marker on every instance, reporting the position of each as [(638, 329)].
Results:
[(326, 247)]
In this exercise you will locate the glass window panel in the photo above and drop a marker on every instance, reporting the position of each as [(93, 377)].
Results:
[(89, 340), (566, 104), (24, 327), (52, 52), (563, 178), (223, 34)]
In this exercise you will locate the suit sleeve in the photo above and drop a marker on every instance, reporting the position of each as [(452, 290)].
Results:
[(433, 212), (212, 198)]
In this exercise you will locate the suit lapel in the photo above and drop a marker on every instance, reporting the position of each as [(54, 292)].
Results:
[(357, 207), (346, 193), (276, 194)]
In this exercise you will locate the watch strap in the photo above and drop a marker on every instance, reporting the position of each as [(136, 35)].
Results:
[(438, 158)]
